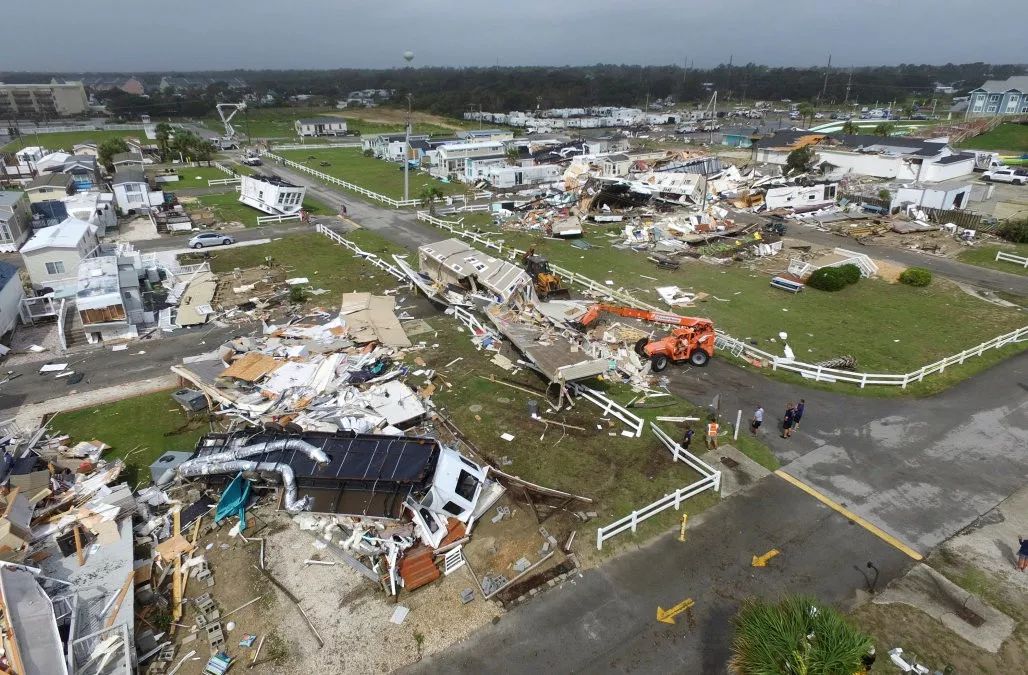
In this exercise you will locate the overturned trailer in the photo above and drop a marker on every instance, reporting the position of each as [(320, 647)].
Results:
[(364, 475)]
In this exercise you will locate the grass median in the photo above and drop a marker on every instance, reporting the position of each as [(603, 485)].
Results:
[(386, 178)]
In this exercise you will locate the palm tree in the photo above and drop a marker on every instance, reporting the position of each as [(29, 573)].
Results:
[(806, 111), (163, 132), (884, 129), (512, 155), (428, 195), (849, 128), (796, 636)]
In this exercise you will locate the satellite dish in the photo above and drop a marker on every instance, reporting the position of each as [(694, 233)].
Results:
[(408, 56)]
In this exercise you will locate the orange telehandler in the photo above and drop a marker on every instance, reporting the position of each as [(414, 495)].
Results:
[(691, 340)]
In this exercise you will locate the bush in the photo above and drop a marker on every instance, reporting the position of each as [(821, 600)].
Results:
[(850, 272), (916, 276), (834, 278), (828, 279), (297, 294), (369, 153), (1015, 231)]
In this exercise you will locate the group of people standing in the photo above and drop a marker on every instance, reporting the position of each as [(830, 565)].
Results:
[(790, 420)]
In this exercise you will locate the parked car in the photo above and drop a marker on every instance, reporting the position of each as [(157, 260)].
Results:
[(1014, 176), (251, 161), (205, 239)]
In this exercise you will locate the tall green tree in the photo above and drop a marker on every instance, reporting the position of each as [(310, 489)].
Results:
[(799, 160), (108, 149), (428, 195), (796, 636), (163, 132), (806, 111), (884, 129)]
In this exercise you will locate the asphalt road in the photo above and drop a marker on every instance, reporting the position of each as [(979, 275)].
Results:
[(104, 368), (919, 469), (972, 275), (605, 620)]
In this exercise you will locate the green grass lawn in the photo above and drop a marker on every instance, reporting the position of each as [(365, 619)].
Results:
[(1008, 137), (145, 426), (386, 178), (315, 256), (227, 207), (66, 139), (985, 256), (889, 328), (195, 177), (280, 123)]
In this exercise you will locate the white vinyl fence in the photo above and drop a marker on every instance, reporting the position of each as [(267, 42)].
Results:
[(357, 251), (1010, 257), (264, 220), (370, 194), (742, 349), (710, 479)]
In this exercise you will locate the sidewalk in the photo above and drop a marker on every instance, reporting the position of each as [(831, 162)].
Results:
[(31, 416)]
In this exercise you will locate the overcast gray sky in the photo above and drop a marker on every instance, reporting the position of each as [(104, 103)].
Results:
[(123, 35)]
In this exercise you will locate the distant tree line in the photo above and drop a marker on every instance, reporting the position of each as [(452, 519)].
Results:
[(452, 91)]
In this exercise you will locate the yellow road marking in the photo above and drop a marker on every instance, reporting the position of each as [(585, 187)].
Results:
[(761, 560), (668, 615), (835, 506)]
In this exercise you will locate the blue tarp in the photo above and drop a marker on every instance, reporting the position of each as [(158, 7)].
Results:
[(233, 501)]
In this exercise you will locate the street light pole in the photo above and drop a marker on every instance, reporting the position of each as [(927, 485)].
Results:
[(406, 160)]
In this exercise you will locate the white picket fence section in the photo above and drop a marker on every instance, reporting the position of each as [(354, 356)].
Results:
[(224, 181), (389, 201), (610, 407), (370, 194), (1010, 257), (221, 167), (739, 348), (315, 146), (264, 220), (357, 251), (710, 480)]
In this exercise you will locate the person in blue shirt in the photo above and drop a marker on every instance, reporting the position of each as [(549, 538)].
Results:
[(1022, 554), (797, 414), (788, 421), (687, 437)]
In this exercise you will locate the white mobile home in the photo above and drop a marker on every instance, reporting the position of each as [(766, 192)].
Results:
[(132, 191), (451, 261), (271, 194), (321, 126), (53, 254)]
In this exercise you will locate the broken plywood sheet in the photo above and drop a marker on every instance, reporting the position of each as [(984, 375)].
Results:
[(251, 367), (396, 402), (552, 357), (173, 547), (199, 293), (371, 318)]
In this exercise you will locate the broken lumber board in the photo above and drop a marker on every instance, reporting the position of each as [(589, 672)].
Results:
[(120, 599), (539, 488), (533, 392), (295, 600), (78, 547)]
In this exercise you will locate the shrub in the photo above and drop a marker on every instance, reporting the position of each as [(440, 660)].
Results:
[(1015, 231), (297, 294), (828, 279), (369, 153), (916, 276), (884, 194), (850, 272)]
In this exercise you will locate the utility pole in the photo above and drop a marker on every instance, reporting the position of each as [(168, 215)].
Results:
[(406, 147), (729, 87), (849, 83), (824, 87)]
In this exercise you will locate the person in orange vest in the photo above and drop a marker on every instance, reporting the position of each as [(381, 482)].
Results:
[(712, 429)]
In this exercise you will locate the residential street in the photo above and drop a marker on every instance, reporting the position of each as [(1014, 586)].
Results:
[(918, 469), (921, 470)]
